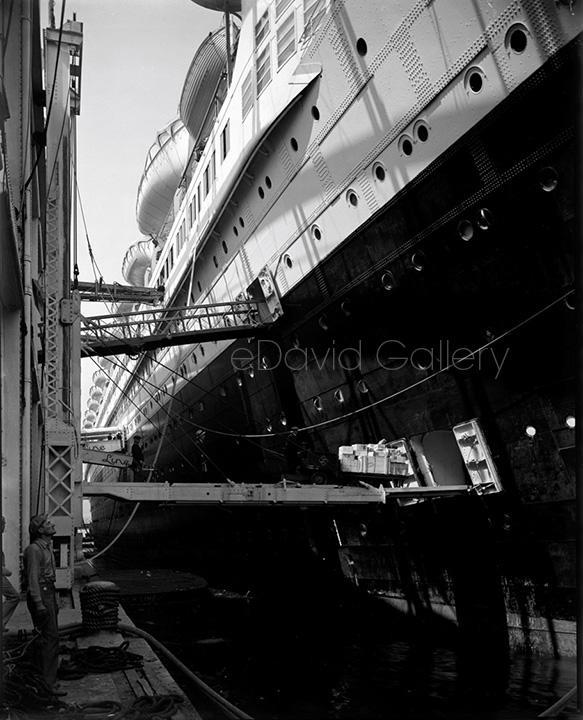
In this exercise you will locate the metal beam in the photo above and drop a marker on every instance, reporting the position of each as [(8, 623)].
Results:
[(283, 493), (114, 292)]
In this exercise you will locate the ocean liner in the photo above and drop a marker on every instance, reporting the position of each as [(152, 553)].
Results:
[(400, 177)]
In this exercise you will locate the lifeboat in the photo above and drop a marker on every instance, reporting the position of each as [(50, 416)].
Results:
[(90, 417), (221, 5), (99, 379), (93, 406), (95, 393), (137, 262), (165, 164), (202, 81)]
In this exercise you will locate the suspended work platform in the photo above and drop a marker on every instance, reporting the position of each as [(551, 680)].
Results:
[(131, 333), (282, 493)]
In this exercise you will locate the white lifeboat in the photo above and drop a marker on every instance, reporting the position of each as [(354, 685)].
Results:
[(99, 379), (202, 82), (90, 417), (95, 393), (165, 164), (93, 406), (137, 261), (222, 5)]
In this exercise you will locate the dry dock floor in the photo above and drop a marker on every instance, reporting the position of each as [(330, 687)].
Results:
[(122, 686)]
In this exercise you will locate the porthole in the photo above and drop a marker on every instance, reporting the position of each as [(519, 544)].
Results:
[(239, 381), (215, 261), (288, 261), (548, 179), (362, 387), (316, 232), (225, 248), (379, 172), (241, 222), (418, 261), (199, 286), (485, 219), (268, 181), (317, 403), (261, 192), (222, 392), (268, 425), (570, 303), (251, 372), (323, 322), (235, 231), (346, 307), (294, 144), (465, 230), (201, 406), (339, 396), (423, 364), (361, 47), (388, 280), (202, 350), (517, 39), (570, 421), (352, 198), (530, 430), (406, 145), (264, 362), (421, 132), (474, 80), (315, 113)]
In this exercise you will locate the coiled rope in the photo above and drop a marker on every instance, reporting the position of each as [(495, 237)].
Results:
[(96, 659)]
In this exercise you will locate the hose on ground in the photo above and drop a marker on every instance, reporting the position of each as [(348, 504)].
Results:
[(227, 707), (230, 710)]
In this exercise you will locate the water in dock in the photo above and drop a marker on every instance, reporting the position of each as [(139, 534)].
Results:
[(303, 648)]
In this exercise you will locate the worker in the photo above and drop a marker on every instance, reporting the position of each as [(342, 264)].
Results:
[(39, 575), (137, 455), (11, 597)]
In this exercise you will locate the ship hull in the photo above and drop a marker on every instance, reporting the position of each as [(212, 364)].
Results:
[(511, 178)]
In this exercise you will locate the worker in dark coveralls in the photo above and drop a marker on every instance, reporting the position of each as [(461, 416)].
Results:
[(11, 595), (137, 455), (39, 575)]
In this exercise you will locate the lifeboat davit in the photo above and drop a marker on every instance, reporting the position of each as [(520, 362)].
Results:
[(165, 164), (201, 84), (137, 261), (222, 5)]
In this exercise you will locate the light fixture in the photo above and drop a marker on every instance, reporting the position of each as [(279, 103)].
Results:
[(530, 431), (570, 421)]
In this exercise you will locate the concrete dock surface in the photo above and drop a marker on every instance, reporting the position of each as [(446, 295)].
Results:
[(121, 686)]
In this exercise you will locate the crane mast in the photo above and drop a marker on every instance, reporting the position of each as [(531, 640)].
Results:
[(61, 401)]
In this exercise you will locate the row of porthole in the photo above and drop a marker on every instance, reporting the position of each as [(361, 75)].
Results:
[(516, 41), (338, 395), (420, 134)]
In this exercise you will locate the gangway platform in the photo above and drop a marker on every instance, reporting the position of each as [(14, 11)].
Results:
[(282, 493)]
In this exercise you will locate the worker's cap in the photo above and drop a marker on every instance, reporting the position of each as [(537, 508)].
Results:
[(36, 523)]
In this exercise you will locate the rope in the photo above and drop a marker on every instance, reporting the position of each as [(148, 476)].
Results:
[(346, 416)]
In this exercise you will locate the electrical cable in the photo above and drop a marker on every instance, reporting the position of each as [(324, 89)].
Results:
[(156, 427), (397, 393), (54, 83), (143, 383), (226, 707)]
